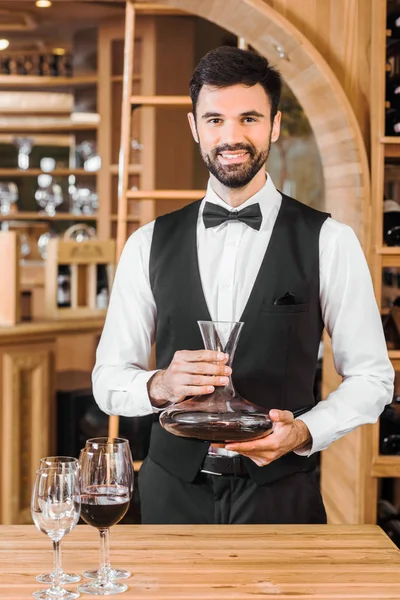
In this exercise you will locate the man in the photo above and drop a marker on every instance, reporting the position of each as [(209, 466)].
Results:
[(283, 269)]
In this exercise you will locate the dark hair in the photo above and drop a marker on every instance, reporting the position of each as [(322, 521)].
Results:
[(228, 65)]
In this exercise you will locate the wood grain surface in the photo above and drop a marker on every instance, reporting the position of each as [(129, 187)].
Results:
[(216, 562)]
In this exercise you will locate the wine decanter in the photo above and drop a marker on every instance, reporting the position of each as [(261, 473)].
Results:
[(223, 415)]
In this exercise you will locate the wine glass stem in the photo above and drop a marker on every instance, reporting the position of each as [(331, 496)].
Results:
[(57, 566), (55, 587), (104, 555)]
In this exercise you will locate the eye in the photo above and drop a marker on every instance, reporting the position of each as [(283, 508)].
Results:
[(214, 121), (249, 120)]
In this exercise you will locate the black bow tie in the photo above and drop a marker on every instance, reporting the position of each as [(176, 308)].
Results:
[(214, 215)]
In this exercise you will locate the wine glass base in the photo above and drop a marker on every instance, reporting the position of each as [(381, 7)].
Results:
[(99, 589), (46, 595), (64, 578), (112, 574)]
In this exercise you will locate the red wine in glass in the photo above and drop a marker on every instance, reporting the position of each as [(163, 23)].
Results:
[(103, 506)]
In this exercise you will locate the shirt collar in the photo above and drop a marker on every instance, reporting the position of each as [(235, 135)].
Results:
[(268, 198)]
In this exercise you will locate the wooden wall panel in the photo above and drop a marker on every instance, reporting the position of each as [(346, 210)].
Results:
[(27, 424), (341, 31)]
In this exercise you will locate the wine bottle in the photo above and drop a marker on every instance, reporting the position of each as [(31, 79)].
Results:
[(389, 430), (393, 92), (392, 122), (389, 520), (64, 286), (393, 24)]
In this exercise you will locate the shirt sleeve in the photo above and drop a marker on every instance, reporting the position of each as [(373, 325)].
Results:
[(353, 322), (121, 373)]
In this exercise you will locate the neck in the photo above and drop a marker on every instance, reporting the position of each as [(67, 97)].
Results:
[(237, 197)]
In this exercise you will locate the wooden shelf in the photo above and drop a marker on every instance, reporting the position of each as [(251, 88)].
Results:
[(394, 354), (132, 170), (120, 78), (21, 81), (389, 250), (161, 100), (46, 127), (35, 216), (390, 140), (386, 466), (36, 172), (166, 194), (129, 218)]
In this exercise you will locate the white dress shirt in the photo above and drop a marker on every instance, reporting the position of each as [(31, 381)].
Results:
[(348, 306)]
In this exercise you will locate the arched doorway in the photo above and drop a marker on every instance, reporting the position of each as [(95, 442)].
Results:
[(343, 155)]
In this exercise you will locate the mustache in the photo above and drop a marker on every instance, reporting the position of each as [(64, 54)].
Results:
[(234, 148)]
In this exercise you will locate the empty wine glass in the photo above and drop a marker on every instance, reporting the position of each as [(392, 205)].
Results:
[(88, 154), (55, 511), (8, 195), (84, 201), (49, 197), (67, 464), (24, 145), (24, 246), (43, 241), (106, 477)]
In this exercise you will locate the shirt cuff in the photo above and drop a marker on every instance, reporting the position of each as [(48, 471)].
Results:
[(138, 390), (322, 429)]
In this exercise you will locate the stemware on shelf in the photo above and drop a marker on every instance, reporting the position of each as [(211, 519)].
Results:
[(8, 195), (87, 151), (106, 476), (49, 198), (67, 464), (85, 201), (55, 509), (224, 415), (24, 145)]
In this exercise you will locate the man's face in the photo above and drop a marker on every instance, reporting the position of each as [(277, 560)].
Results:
[(234, 131)]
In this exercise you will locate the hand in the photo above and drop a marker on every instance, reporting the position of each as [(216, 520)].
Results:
[(288, 435), (191, 373)]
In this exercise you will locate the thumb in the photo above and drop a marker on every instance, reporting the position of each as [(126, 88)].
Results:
[(281, 416)]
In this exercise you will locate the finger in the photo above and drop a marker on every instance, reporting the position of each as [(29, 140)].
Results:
[(281, 416), (196, 390), (265, 444), (205, 380), (204, 368), (201, 355)]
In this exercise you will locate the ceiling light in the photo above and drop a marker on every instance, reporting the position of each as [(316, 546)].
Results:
[(4, 44), (59, 51), (43, 3)]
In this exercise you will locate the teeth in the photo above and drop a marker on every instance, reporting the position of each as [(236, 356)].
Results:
[(233, 155)]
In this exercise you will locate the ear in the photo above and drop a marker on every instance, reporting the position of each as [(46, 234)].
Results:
[(192, 123), (276, 126)]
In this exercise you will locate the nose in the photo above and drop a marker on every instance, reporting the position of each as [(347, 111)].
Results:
[(232, 133)]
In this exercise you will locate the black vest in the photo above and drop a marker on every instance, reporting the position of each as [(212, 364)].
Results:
[(275, 361)]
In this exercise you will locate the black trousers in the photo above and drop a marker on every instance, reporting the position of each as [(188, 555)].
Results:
[(216, 499)]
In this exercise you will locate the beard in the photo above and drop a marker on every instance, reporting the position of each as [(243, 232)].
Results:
[(236, 175)]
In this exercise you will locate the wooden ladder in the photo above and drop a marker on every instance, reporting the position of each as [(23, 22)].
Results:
[(147, 198)]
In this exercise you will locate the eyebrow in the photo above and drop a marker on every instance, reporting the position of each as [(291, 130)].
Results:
[(249, 113)]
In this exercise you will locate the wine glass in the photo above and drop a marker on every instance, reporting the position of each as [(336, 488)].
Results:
[(55, 511), (106, 477), (24, 145), (49, 197), (85, 201), (113, 573), (69, 465), (8, 195)]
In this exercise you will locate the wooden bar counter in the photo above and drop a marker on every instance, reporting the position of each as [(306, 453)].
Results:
[(216, 562), (33, 357)]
